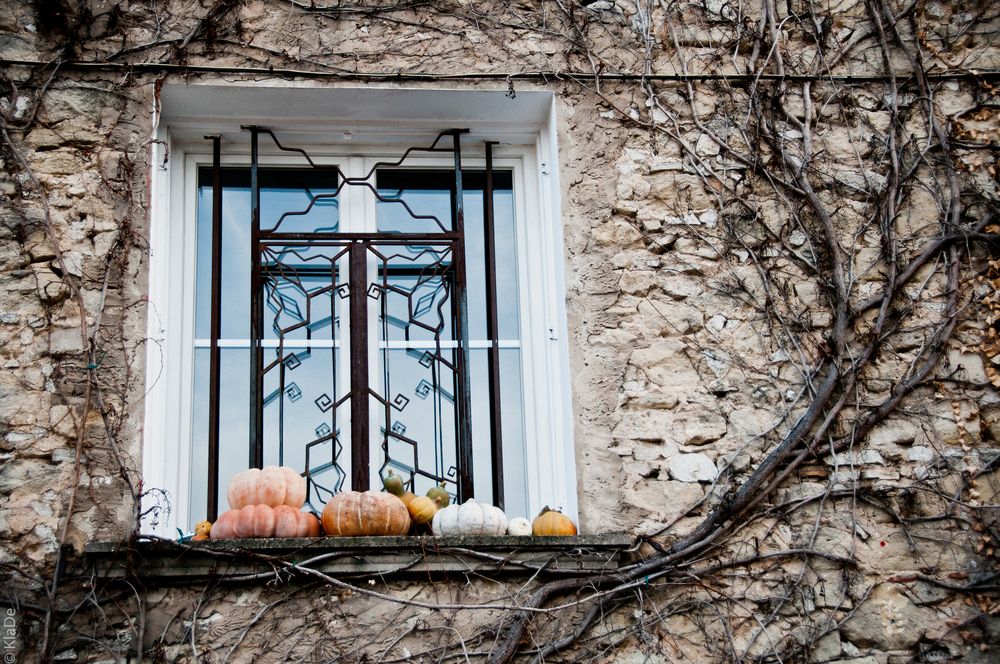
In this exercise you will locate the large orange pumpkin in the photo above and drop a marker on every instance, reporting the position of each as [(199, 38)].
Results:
[(354, 514), (269, 485), (265, 521)]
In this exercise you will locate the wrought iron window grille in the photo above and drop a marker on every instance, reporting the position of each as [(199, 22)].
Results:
[(299, 280)]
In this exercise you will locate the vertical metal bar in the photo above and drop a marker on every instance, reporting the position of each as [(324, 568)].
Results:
[(492, 331), (211, 511), (463, 401), (256, 314), (359, 366)]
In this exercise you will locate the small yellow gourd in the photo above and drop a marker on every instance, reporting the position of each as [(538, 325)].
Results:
[(422, 509)]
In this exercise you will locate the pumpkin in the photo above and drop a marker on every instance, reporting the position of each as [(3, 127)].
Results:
[(422, 509), (470, 518), (248, 521), (202, 531), (439, 495), (354, 514), (407, 497), (290, 522), (269, 485), (519, 527), (551, 522), (265, 521), (393, 483)]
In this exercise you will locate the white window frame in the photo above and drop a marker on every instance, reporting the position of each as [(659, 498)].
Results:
[(550, 458)]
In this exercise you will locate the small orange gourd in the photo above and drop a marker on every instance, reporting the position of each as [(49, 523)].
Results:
[(551, 522), (202, 531)]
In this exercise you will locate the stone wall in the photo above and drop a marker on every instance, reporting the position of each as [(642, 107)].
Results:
[(727, 243)]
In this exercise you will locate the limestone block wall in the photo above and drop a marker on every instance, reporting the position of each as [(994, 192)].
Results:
[(808, 466)]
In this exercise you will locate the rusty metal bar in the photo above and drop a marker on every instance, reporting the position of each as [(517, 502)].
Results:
[(492, 331), (463, 397), (256, 313), (211, 511), (342, 238), (359, 366)]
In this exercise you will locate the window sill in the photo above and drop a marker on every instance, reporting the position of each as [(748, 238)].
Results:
[(163, 560)]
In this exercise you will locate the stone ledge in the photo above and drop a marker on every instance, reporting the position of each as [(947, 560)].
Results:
[(162, 560)]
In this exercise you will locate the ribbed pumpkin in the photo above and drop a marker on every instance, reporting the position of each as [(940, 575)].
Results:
[(355, 514), (290, 522), (550, 522), (265, 521), (269, 485), (469, 518), (249, 521)]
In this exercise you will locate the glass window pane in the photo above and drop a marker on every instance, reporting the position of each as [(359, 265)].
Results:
[(282, 191), (234, 427), (413, 201), (417, 432)]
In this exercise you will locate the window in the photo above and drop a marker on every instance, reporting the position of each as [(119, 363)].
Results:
[(372, 319)]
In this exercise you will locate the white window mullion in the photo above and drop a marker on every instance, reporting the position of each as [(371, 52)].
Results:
[(368, 223)]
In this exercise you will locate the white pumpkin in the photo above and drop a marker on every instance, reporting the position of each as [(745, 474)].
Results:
[(519, 527), (445, 521), (470, 518)]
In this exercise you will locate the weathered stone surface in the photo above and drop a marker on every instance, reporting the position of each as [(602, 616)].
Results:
[(887, 620), (52, 289), (692, 468), (826, 648), (667, 365), (654, 425), (663, 499), (893, 432), (616, 233)]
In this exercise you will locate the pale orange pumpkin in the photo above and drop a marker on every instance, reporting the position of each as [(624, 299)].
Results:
[(265, 521), (309, 525), (223, 528), (249, 521), (422, 509), (286, 521), (354, 514), (269, 485), (551, 522)]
